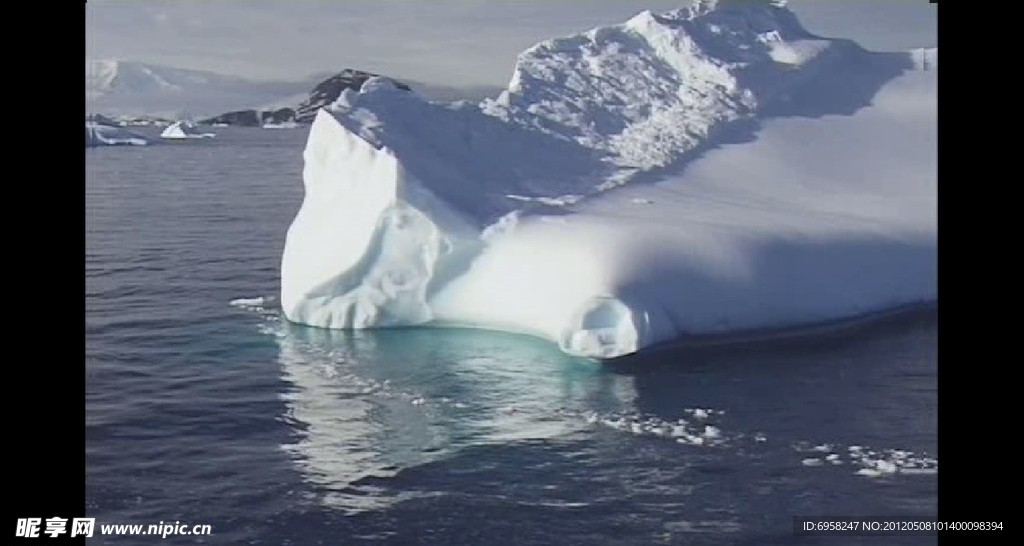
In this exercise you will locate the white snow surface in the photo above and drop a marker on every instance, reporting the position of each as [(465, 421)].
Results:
[(102, 134), (710, 170), (184, 129)]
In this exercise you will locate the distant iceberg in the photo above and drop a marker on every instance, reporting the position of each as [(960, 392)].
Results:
[(184, 129), (715, 169), (98, 133), (282, 125)]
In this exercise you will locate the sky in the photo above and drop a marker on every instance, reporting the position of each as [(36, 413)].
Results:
[(449, 42)]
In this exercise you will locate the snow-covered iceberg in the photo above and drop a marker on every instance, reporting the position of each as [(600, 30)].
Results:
[(708, 170), (98, 133), (184, 129)]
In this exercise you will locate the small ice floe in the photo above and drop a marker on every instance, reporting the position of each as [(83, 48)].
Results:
[(661, 430), (690, 439), (877, 467), (760, 437), (263, 306), (248, 303), (184, 129), (701, 413), (683, 432), (921, 471), (873, 462), (812, 461), (642, 201)]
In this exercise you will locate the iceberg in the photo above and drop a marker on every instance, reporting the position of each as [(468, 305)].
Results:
[(184, 129), (282, 125), (100, 133), (712, 170)]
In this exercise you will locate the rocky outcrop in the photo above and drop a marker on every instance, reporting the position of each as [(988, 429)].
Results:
[(322, 95)]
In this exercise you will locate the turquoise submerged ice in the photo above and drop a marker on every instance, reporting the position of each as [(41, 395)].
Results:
[(708, 170)]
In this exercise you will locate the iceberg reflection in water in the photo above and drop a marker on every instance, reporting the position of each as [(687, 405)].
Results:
[(369, 404), (388, 420)]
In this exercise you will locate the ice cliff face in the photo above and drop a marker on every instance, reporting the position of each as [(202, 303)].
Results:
[(499, 215)]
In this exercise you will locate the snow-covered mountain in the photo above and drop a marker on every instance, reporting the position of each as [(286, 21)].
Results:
[(708, 170), (133, 88)]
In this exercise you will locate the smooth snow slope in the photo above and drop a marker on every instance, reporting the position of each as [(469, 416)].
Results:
[(708, 170)]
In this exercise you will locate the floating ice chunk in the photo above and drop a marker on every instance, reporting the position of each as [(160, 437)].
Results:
[(247, 302), (180, 130), (919, 471), (402, 194), (882, 466), (690, 439), (101, 134)]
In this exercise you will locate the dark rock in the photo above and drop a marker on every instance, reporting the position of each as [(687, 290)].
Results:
[(328, 91), (323, 94), (244, 118), (282, 115)]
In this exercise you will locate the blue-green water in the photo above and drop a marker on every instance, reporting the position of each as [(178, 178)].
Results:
[(203, 412)]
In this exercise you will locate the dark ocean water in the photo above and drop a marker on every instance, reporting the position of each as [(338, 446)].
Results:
[(204, 412)]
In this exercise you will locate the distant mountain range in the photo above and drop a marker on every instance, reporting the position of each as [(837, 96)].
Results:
[(134, 89), (125, 88)]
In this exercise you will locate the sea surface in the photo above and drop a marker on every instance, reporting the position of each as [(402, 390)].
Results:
[(203, 406)]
